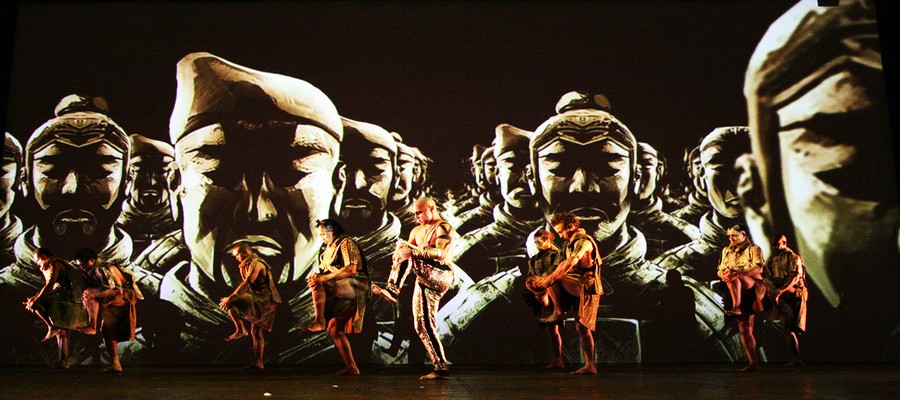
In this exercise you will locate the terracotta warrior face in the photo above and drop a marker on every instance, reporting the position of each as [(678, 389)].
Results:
[(648, 162), (78, 189), (721, 177), (369, 173), (841, 196), (149, 190), (9, 171), (406, 164), (262, 183), (511, 167), (591, 180)]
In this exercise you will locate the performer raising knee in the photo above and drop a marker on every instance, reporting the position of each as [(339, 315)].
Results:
[(541, 265), (58, 303), (254, 300), (740, 267), (576, 277), (340, 291), (427, 255)]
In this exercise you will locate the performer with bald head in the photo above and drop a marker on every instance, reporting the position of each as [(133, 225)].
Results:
[(427, 254), (147, 214), (823, 173)]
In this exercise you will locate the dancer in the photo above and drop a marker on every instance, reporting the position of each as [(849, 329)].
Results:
[(254, 300), (576, 277), (540, 265), (427, 255), (110, 300), (340, 291), (58, 303), (740, 267), (785, 278)]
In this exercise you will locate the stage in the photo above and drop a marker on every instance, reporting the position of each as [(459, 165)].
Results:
[(663, 381)]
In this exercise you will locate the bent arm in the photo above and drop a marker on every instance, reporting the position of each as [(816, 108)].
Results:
[(582, 249), (251, 277)]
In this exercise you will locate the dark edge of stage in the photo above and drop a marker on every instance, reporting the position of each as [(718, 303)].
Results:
[(614, 381)]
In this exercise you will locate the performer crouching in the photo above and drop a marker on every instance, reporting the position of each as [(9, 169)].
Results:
[(254, 300), (58, 303), (340, 291), (427, 255)]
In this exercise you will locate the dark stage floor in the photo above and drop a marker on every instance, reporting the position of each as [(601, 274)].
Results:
[(685, 381)]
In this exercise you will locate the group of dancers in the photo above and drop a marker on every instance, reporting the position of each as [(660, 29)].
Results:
[(92, 292)]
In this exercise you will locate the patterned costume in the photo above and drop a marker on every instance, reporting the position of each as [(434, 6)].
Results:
[(62, 305), (781, 268), (433, 278), (541, 264), (258, 303), (588, 276), (339, 254), (119, 315)]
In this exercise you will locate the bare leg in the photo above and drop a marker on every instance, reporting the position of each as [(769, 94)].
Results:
[(259, 344), (112, 350), (319, 296), (92, 307), (793, 343), (239, 329), (554, 293), (735, 288), (745, 325), (52, 331), (62, 342), (343, 347), (587, 348), (555, 347)]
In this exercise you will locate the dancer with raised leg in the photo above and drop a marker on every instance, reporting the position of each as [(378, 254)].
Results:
[(427, 255), (254, 300), (576, 278), (58, 303), (340, 291)]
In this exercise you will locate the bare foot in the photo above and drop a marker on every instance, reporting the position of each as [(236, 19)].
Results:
[(254, 366), (552, 318), (558, 364), (585, 370), (313, 327), (61, 365), (435, 375), (734, 311), (236, 335), (378, 291), (51, 333), (348, 371), (115, 367), (795, 364), (87, 331), (750, 368)]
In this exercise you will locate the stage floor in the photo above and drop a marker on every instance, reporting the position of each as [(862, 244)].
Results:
[(663, 381)]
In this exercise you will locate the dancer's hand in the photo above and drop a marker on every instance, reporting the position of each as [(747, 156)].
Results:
[(223, 303), (29, 303), (314, 280)]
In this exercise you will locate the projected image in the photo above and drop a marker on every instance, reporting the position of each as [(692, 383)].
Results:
[(164, 159)]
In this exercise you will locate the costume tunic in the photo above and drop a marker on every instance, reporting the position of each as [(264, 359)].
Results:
[(339, 254), (261, 299), (62, 305), (781, 268)]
